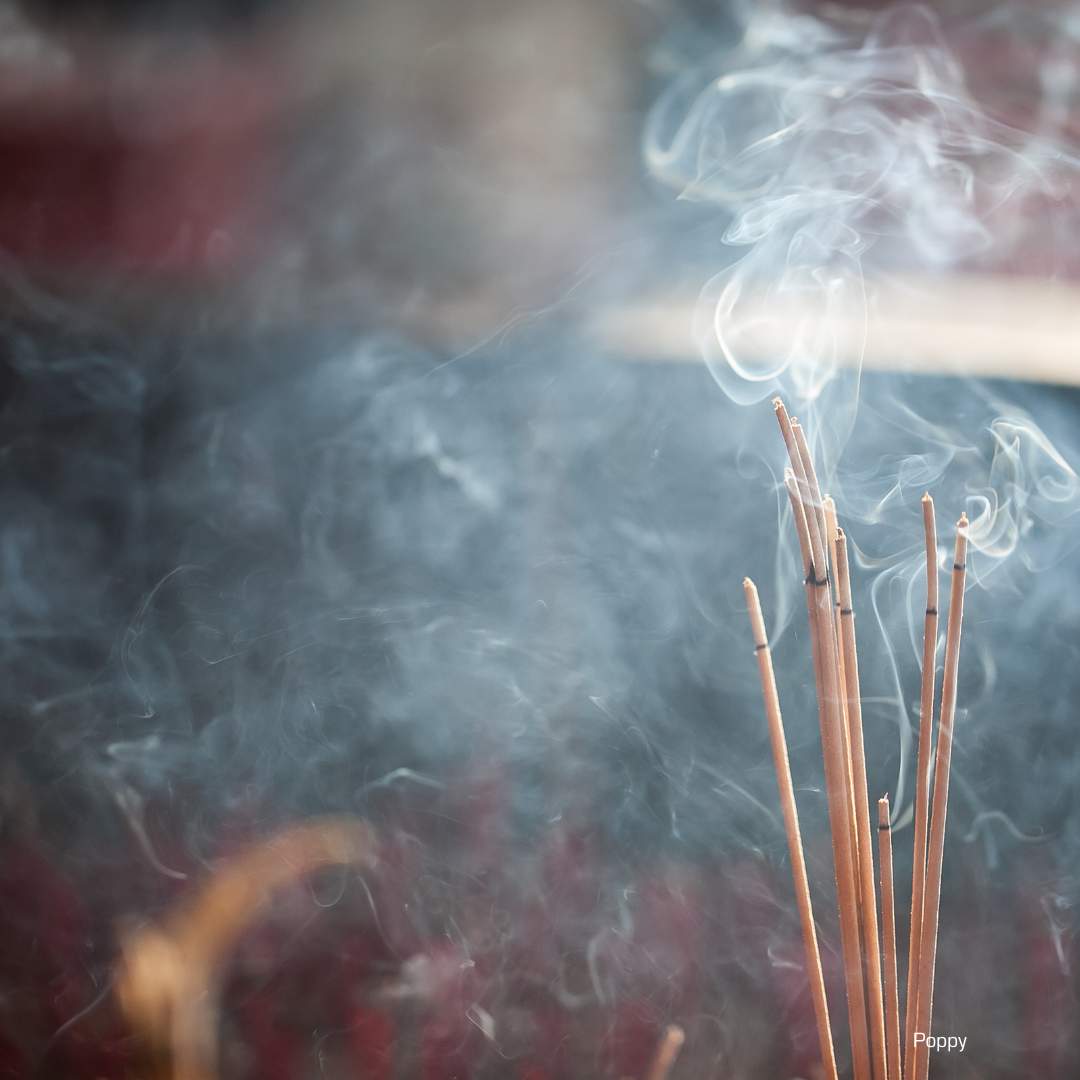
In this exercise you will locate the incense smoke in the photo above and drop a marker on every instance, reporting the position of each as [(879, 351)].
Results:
[(835, 154), (491, 603), (850, 157)]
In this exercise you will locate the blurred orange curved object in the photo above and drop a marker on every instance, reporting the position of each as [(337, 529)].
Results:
[(169, 982)]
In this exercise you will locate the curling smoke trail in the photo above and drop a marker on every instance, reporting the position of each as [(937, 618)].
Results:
[(849, 155), (834, 154)]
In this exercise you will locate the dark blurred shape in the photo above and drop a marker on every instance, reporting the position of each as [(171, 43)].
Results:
[(435, 165), (127, 153), (171, 184), (146, 12)]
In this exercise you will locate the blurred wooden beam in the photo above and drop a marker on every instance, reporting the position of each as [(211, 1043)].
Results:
[(993, 327)]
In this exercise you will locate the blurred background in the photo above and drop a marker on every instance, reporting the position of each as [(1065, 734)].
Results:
[(344, 467), (443, 166)]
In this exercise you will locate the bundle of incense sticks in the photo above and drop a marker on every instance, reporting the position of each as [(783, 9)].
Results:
[(868, 949)]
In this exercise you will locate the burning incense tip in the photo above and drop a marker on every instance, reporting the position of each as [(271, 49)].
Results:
[(666, 1052)]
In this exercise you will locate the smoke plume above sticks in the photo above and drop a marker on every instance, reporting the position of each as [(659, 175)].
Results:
[(837, 152), (855, 163)]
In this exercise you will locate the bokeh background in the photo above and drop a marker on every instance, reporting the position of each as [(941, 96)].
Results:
[(350, 460)]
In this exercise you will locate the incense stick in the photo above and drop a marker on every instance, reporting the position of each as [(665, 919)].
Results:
[(888, 934), (805, 490), (835, 748), (863, 859), (922, 780), (666, 1052), (815, 505), (831, 528), (868, 907), (801, 526), (791, 825), (932, 894)]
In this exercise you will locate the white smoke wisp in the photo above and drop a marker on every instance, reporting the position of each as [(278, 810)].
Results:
[(851, 155), (1030, 487), (833, 154)]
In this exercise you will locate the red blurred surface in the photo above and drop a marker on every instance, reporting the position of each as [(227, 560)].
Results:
[(137, 160)]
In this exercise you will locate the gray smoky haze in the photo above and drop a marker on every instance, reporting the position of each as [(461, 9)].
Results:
[(849, 151), (492, 603)]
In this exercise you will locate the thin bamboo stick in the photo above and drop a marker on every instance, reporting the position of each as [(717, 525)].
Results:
[(815, 507), (932, 896), (666, 1052), (858, 848), (791, 825), (831, 529), (888, 934), (865, 848), (922, 781), (843, 782), (818, 509), (801, 527), (837, 773)]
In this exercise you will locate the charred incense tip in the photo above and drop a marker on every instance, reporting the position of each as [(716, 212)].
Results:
[(963, 522), (926, 498), (883, 812)]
